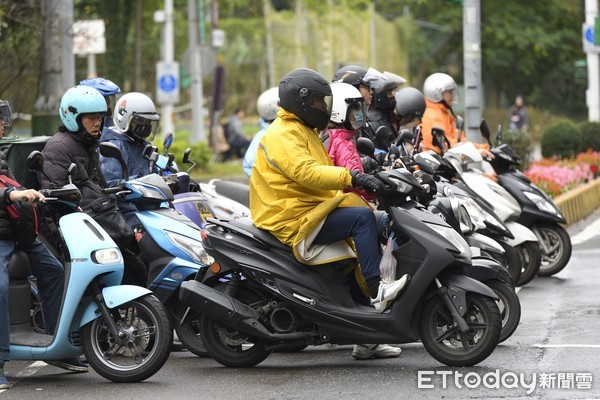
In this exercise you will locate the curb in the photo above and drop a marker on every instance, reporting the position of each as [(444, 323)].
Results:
[(580, 202)]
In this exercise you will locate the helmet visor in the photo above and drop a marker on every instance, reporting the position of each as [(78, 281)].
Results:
[(5, 114), (356, 113), (144, 126), (373, 78)]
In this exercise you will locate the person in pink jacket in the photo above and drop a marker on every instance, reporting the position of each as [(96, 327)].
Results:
[(348, 115)]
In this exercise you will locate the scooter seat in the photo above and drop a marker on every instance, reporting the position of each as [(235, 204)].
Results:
[(18, 266), (248, 225)]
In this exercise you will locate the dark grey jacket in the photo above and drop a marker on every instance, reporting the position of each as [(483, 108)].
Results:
[(65, 148)]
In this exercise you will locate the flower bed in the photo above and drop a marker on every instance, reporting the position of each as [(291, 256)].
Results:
[(560, 176)]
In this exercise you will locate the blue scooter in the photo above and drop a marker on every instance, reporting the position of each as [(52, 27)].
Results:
[(169, 243), (123, 330)]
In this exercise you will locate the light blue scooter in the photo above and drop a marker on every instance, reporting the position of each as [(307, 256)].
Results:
[(123, 330)]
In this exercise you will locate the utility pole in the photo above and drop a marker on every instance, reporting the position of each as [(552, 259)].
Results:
[(196, 88), (58, 64), (472, 68)]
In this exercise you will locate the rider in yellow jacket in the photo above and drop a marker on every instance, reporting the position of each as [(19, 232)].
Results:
[(296, 191)]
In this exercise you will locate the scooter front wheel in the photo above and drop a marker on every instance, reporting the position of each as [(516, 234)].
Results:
[(447, 344), (531, 259), (556, 248), (229, 346), (143, 346), (509, 306), (189, 334)]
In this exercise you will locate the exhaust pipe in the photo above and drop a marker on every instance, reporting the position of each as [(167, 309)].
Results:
[(228, 311)]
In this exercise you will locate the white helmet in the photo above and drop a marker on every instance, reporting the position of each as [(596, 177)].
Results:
[(267, 104), (136, 116), (436, 84), (347, 98)]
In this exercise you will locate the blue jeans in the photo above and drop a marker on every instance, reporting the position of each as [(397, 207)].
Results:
[(50, 282), (360, 224)]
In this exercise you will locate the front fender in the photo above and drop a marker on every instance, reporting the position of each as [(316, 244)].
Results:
[(458, 287), (483, 269), (114, 296), (521, 233)]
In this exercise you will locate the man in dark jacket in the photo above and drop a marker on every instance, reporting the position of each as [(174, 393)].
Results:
[(47, 269), (82, 110)]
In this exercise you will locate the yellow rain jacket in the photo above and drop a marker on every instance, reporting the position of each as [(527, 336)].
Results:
[(294, 186)]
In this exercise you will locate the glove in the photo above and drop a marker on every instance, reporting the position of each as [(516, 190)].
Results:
[(369, 182)]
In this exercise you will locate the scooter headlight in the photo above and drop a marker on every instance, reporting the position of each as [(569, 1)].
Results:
[(453, 237), (107, 256), (475, 212), (541, 203), (192, 247)]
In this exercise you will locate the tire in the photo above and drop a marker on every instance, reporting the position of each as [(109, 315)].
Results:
[(509, 306), (189, 334), (513, 261), (531, 260), (558, 241), (229, 346), (444, 341), (117, 362)]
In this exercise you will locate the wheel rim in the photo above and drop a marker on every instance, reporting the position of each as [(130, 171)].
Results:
[(138, 325), (450, 338), (552, 250)]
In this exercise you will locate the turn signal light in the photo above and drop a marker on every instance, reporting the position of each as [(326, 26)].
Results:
[(215, 268)]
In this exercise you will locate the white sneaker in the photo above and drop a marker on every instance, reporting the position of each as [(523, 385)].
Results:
[(388, 292), (366, 351)]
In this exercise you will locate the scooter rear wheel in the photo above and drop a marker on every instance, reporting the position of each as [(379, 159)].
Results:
[(558, 244), (148, 334), (444, 341)]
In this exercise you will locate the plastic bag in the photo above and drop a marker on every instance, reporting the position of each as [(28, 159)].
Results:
[(387, 266)]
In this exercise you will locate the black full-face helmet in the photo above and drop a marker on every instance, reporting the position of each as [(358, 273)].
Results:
[(307, 95), (350, 74)]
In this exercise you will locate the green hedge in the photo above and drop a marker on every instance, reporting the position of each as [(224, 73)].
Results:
[(521, 143), (590, 132), (562, 139)]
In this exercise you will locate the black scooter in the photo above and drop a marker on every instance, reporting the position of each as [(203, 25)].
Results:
[(539, 213), (257, 298)]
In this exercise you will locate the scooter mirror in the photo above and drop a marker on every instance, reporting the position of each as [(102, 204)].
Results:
[(460, 123), (499, 135), (109, 150), (438, 137), (169, 138), (394, 151), (406, 136), (71, 171), (365, 147), (35, 161), (485, 131), (147, 151), (186, 156)]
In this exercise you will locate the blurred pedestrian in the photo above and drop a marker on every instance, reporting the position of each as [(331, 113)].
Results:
[(518, 115)]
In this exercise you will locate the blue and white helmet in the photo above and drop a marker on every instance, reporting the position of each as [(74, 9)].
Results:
[(80, 100)]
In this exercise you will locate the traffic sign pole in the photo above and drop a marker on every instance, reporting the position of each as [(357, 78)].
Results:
[(593, 62)]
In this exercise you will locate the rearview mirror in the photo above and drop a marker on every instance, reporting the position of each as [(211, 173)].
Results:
[(365, 147)]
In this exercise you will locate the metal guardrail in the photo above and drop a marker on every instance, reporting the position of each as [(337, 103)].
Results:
[(579, 203)]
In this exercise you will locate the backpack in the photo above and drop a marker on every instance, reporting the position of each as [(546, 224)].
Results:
[(23, 217)]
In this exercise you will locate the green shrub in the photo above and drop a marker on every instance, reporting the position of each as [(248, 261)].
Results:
[(590, 132), (521, 143), (562, 139)]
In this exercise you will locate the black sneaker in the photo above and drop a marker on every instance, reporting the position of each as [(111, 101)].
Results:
[(71, 364)]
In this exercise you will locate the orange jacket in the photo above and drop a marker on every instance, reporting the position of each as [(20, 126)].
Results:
[(439, 115)]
